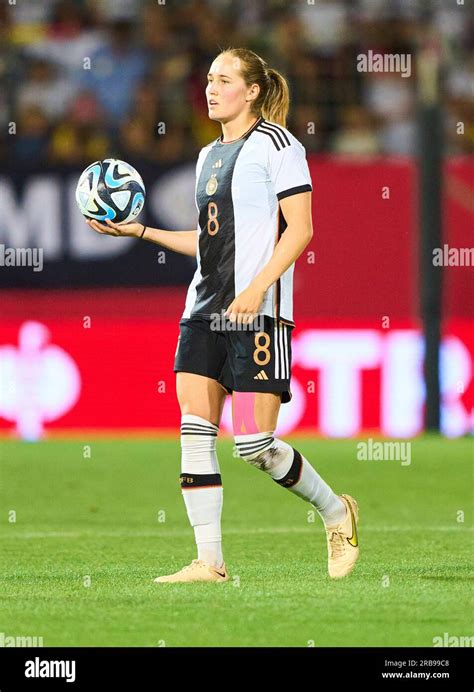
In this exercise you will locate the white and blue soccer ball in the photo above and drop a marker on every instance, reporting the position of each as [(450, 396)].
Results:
[(110, 189)]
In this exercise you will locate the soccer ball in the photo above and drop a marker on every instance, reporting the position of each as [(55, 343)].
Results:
[(110, 189)]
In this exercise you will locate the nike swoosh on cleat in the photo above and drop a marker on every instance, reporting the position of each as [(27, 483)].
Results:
[(353, 540), (221, 574)]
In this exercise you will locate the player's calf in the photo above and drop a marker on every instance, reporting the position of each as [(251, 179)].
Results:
[(290, 469)]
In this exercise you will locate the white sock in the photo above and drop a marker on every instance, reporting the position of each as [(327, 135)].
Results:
[(202, 486), (292, 470), (314, 489)]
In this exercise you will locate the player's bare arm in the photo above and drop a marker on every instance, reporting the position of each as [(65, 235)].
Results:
[(183, 242), (297, 212)]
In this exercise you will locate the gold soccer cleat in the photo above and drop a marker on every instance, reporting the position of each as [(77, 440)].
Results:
[(343, 541), (196, 571)]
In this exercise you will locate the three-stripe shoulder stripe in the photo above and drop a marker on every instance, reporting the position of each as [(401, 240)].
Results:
[(276, 133)]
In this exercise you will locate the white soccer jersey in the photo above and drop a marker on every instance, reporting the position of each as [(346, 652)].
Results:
[(239, 185)]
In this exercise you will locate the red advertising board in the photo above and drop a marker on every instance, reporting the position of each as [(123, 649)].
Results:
[(348, 377), (103, 359)]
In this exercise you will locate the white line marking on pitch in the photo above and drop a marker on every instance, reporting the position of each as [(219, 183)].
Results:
[(161, 533)]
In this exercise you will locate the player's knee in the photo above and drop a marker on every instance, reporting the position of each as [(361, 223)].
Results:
[(198, 435), (267, 453), (259, 449), (262, 460)]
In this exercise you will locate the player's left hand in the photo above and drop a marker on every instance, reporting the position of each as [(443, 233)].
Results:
[(244, 308), (118, 229)]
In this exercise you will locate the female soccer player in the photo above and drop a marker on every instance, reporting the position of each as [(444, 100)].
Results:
[(253, 194)]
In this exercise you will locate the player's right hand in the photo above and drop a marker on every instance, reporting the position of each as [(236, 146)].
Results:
[(117, 229)]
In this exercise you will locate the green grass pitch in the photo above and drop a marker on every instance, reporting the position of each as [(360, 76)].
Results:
[(90, 534)]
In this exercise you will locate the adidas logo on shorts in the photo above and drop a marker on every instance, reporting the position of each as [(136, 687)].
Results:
[(262, 375)]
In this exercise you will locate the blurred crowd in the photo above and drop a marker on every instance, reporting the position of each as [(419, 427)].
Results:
[(82, 80)]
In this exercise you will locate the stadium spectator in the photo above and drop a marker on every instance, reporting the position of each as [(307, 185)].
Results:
[(81, 137), (356, 135), (30, 143), (44, 88), (115, 70), (148, 66)]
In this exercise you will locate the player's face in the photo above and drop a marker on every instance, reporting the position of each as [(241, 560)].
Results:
[(226, 91)]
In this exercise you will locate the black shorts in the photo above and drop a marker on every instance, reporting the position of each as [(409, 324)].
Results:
[(243, 360)]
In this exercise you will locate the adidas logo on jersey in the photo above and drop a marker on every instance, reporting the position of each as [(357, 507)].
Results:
[(262, 375), (217, 164)]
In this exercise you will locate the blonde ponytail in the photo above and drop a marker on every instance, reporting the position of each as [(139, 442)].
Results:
[(277, 99)]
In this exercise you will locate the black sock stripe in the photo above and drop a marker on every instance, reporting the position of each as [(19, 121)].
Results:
[(201, 431), (199, 480), (253, 442), (201, 434), (196, 426), (250, 448), (247, 447), (293, 475)]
